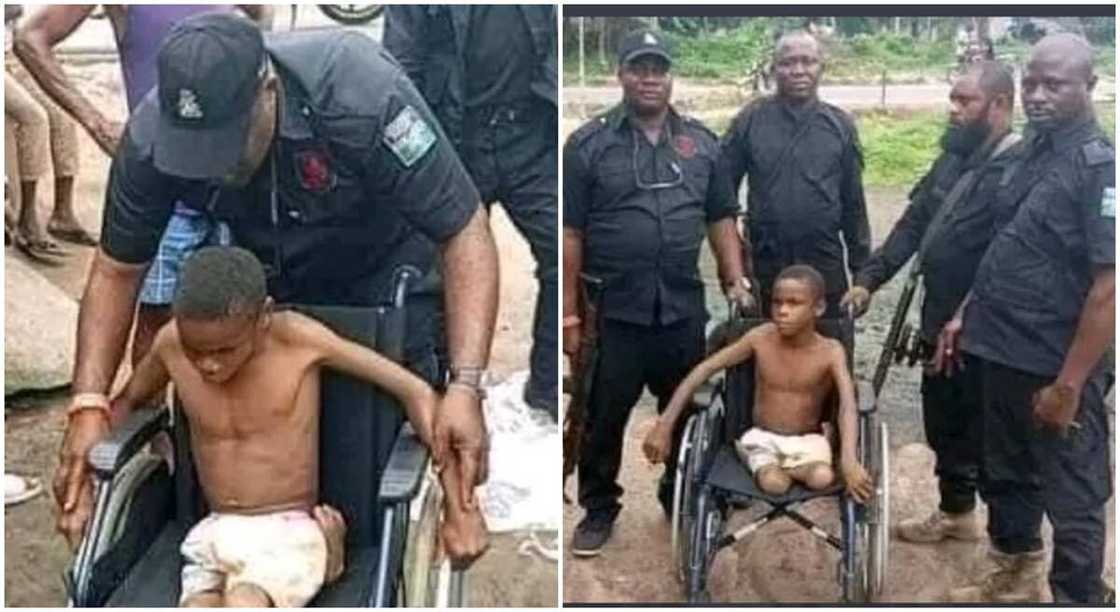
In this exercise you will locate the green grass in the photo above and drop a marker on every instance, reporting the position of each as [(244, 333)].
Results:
[(897, 151)]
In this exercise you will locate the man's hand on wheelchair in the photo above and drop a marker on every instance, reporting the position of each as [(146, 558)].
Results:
[(857, 482), (858, 298), (333, 525), (739, 296), (657, 444), (459, 430), (72, 486)]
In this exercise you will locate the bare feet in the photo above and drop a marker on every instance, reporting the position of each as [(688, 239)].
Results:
[(334, 529), (70, 231)]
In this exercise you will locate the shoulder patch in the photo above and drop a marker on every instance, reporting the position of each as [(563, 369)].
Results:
[(1098, 152), (408, 136), (587, 130), (1108, 203)]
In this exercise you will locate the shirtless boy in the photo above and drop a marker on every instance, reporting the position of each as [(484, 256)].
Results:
[(249, 380), (796, 368)]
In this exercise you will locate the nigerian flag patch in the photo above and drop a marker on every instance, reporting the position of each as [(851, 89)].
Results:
[(408, 136), (1108, 203)]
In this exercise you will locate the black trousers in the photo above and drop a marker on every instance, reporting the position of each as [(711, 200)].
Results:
[(511, 155), (632, 357), (1028, 473), (952, 414)]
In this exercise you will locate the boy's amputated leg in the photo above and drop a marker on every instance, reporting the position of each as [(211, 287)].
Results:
[(814, 476), (773, 480)]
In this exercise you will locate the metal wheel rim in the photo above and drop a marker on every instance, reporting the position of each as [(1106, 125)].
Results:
[(680, 492), (880, 551)]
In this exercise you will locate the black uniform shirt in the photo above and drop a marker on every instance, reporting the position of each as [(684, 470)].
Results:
[(500, 58), (365, 180), (1033, 281), (804, 169), (642, 230), (958, 244)]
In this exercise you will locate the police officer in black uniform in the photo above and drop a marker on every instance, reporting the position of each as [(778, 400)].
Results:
[(804, 165), (327, 164), (1039, 321), (489, 73), (641, 185), (953, 215)]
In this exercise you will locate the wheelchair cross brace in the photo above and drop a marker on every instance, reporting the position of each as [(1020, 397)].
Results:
[(782, 510)]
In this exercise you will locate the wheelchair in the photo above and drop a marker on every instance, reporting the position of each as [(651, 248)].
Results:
[(373, 469), (711, 481)]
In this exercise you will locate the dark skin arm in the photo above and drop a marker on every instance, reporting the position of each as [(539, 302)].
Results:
[(728, 251), (1056, 405), (658, 441), (34, 43), (470, 264), (573, 264), (104, 320), (72, 486), (463, 530), (856, 479)]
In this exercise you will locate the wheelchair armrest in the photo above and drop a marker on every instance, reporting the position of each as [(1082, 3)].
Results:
[(865, 395), (125, 440), (405, 470)]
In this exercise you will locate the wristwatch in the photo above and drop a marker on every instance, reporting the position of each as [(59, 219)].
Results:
[(468, 377)]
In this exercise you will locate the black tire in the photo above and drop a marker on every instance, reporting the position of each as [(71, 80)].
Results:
[(706, 528), (352, 14), (683, 498)]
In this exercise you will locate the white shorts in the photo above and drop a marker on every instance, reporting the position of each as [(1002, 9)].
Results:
[(284, 554), (759, 448)]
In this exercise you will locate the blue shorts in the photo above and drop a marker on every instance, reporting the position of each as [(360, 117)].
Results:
[(186, 232)]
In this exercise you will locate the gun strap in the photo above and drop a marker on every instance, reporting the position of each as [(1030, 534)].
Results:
[(961, 188)]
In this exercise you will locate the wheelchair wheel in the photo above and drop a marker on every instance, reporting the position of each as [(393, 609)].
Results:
[(878, 517), (681, 529), (706, 530)]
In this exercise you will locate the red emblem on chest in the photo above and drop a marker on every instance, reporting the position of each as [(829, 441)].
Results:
[(314, 169), (685, 146)]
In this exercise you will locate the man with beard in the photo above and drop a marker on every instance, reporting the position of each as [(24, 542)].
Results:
[(804, 165), (952, 217), (1037, 324), (641, 185)]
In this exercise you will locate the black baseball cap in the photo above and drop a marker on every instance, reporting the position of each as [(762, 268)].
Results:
[(210, 67), (643, 42)]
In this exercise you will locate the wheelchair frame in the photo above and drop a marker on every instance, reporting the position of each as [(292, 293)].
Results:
[(401, 479), (700, 508)]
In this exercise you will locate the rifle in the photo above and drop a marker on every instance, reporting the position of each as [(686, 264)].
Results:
[(578, 384), (898, 344)]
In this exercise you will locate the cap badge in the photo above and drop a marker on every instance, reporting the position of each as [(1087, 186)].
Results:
[(649, 39), (188, 105)]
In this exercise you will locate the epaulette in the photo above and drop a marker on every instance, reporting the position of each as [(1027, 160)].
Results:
[(587, 130), (1098, 152)]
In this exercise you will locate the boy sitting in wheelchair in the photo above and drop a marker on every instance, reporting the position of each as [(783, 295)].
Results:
[(796, 370), (248, 379)]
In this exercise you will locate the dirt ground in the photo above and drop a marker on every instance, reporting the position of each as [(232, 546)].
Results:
[(35, 557), (782, 562)]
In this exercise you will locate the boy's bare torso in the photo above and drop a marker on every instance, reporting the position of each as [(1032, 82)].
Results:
[(792, 382), (255, 438)]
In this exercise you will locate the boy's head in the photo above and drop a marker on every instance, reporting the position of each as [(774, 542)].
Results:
[(797, 300), (218, 309)]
